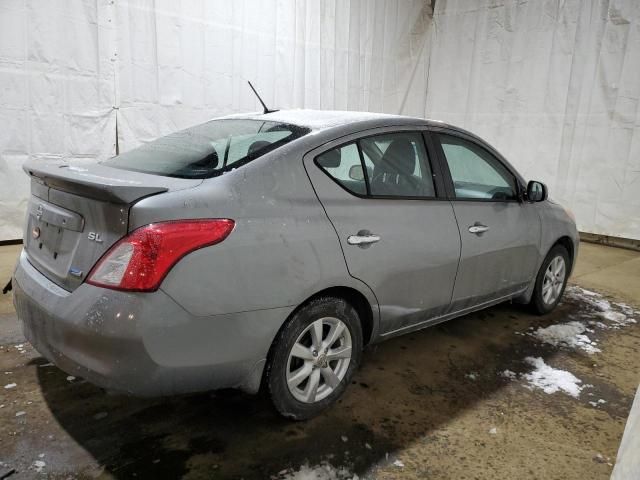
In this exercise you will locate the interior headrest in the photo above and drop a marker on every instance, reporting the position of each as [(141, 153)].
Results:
[(210, 161), (257, 146), (330, 159), (400, 157)]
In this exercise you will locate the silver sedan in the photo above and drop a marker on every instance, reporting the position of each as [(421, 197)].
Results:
[(267, 250)]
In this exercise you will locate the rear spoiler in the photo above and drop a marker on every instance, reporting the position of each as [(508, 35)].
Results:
[(94, 180)]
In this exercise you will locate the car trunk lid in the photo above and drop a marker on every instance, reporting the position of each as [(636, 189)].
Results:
[(77, 210)]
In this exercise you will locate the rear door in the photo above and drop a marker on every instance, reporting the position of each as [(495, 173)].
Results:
[(500, 234), (397, 232)]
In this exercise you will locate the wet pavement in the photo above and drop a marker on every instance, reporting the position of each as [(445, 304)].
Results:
[(433, 404)]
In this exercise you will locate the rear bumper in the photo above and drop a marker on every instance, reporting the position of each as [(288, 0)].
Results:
[(143, 344)]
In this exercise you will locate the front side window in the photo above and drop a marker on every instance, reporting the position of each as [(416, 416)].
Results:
[(388, 165), (209, 149), (476, 174)]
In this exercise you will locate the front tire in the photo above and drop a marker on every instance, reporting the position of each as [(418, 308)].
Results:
[(551, 280), (314, 358)]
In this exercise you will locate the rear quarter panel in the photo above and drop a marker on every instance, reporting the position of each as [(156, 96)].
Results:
[(282, 250)]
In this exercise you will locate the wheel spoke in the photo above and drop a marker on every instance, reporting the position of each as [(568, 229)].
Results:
[(330, 377), (546, 295), (340, 352), (334, 334), (300, 351), (298, 377), (548, 275), (311, 390), (316, 334)]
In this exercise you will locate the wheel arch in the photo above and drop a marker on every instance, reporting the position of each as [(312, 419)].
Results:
[(567, 243), (353, 296), (356, 299)]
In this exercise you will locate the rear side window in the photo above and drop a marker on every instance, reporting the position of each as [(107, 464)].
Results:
[(389, 165), (209, 149), (402, 168), (344, 166)]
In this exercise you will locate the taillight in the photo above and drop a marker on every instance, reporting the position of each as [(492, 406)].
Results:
[(140, 261)]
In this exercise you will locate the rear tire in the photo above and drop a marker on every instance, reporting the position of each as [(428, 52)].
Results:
[(314, 357), (551, 280)]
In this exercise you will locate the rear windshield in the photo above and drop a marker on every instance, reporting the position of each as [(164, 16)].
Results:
[(209, 149)]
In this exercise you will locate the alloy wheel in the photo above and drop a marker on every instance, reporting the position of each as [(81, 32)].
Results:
[(553, 280), (319, 360)]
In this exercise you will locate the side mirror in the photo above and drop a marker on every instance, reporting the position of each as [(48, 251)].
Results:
[(356, 173), (536, 191)]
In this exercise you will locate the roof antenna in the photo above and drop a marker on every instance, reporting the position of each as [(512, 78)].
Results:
[(266, 110)]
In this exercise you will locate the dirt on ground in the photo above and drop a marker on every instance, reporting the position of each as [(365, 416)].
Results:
[(459, 400)]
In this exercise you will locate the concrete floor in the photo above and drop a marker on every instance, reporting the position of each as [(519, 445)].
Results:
[(433, 404)]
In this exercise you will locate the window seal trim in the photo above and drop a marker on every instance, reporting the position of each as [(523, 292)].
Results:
[(363, 166)]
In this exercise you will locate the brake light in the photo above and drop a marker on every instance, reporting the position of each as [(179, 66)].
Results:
[(140, 261)]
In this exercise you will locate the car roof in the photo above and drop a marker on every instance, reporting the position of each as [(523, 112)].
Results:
[(325, 119), (331, 123)]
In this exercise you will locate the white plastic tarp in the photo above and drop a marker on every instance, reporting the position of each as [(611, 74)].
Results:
[(553, 84)]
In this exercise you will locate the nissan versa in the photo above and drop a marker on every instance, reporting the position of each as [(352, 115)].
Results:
[(266, 250)]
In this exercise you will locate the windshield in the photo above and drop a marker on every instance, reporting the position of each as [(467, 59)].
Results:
[(209, 149)]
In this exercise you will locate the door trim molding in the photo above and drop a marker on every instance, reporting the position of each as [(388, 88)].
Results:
[(448, 316)]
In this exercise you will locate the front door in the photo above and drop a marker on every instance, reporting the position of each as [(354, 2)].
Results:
[(500, 234), (398, 236)]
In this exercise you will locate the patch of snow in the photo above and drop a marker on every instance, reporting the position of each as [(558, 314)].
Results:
[(322, 471), (617, 318), (10, 385), (39, 465), (551, 380), (508, 374), (626, 309), (567, 334), (616, 315), (367, 446), (493, 431), (593, 299), (20, 413), (600, 304), (602, 459), (589, 293), (399, 464), (344, 439), (471, 375), (70, 378)]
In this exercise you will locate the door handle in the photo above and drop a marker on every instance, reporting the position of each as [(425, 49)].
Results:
[(478, 228), (363, 239)]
